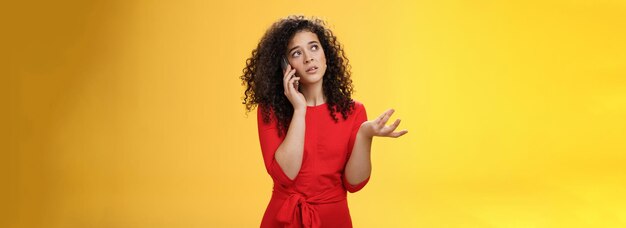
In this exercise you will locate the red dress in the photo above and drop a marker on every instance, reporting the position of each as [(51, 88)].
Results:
[(317, 196)]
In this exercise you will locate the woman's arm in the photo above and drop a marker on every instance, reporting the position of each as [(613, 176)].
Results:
[(289, 153), (359, 166)]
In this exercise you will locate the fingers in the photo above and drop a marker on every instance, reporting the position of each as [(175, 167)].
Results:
[(288, 74), (393, 127), (287, 77), (389, 131), (386, 131), (398, 133), (291, 84), (395, 124), (380, 117), (287, 69), (385, 117)]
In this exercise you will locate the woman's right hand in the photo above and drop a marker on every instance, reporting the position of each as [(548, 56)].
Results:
[(291, 91)]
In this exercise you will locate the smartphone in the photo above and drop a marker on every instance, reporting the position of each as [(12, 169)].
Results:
[(284, 64)]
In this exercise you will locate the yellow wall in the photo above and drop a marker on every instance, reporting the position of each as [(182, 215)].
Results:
[(128, 113)]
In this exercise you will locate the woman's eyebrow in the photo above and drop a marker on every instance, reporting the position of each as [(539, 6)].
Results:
[(293, 48)]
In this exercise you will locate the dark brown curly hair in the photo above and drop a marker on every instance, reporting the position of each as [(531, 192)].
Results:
[(263, 75)]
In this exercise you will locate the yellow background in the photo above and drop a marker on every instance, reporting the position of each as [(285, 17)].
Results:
[(129, 114)]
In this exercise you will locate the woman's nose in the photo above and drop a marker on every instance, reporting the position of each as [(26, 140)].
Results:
[(307, 59)]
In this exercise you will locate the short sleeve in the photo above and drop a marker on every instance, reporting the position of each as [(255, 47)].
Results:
[(359, 118), (270, 141)]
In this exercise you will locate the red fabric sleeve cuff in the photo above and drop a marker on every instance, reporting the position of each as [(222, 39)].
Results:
[(279, 175), (354, 188)]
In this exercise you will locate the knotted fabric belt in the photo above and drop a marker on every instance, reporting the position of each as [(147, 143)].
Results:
[(298, 210)]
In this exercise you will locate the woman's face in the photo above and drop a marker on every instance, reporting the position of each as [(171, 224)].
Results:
[(305, 54)]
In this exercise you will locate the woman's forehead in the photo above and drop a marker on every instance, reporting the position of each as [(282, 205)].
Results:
[(302, 38)]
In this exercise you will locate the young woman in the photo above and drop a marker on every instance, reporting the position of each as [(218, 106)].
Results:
[(314, 138)]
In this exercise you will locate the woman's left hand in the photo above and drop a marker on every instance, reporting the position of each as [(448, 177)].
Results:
[(377, 126)]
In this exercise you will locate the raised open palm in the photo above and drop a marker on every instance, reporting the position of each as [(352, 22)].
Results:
[(377, 126)]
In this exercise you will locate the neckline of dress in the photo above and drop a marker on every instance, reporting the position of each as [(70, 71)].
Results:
[(316, 106)]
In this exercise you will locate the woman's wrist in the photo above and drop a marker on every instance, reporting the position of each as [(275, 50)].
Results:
[(299, 111), (365, 131)]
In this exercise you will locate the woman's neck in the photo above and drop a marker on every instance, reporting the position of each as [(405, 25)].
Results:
[(313, 94)]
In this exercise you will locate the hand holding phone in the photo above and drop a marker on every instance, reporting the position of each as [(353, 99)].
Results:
[(291, 85)]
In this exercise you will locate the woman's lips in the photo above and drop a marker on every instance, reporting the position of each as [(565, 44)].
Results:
[(312, 70)]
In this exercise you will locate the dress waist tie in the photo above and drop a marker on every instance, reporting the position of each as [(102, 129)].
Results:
[(297, 207)]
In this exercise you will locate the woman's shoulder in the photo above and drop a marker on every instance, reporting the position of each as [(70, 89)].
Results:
[(265, 113), (358, 109), (265, 108), (358, 105)]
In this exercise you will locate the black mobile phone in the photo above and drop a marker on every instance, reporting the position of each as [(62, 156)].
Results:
[(284, 63)]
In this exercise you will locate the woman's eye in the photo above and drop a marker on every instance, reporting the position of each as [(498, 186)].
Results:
[(314, 47), (296, 53)]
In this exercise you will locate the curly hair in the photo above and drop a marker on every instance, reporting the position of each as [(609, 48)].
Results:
[(263, 75)]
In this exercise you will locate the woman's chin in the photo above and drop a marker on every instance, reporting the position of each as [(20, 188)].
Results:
[(311, 79)]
